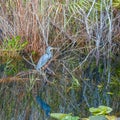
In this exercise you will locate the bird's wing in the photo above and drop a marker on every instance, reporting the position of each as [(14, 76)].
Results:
[(42, 61)]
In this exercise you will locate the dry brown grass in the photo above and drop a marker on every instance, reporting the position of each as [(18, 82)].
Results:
[(85, 38), (12, 79)]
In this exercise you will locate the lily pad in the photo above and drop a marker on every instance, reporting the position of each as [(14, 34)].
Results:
[(101, 117), (111, 117), (59, 116), (101, 110), (62, 116)]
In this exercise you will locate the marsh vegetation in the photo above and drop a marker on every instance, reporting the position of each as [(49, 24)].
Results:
[(85, 67)]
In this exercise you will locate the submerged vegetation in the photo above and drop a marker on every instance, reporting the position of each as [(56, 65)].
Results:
[(85, 69)]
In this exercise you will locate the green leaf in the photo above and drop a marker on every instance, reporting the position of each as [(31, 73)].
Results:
[(71, 118), (110, 93), (101, 110), (111, 117), (62, 116), (105, 108), (75, 82), (59, 116), (17, 38)]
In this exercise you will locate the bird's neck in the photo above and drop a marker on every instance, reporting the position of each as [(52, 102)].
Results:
[(49, 55)]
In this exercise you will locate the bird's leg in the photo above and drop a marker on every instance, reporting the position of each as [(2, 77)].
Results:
[(45, 78), (49, 71), (40, 71)]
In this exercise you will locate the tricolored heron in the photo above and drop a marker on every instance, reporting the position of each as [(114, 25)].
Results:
[(45, 58)]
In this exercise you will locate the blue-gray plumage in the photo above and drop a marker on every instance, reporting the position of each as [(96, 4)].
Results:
[(45, 58)]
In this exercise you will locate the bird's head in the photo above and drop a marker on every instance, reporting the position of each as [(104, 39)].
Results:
[(49, 49)]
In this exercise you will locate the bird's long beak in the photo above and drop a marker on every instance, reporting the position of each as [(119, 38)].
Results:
[(55, 48)]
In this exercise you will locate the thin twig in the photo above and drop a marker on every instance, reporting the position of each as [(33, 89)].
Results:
[(91, 8), (85, 98), (31, 63), (84, 60), (63, 32)]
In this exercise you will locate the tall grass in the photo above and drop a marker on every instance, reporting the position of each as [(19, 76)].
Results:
[(85, 33)]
